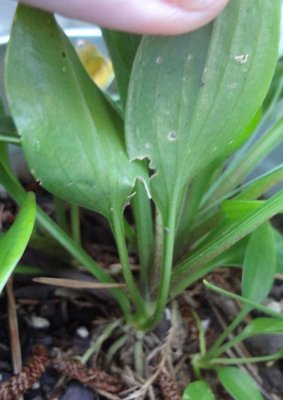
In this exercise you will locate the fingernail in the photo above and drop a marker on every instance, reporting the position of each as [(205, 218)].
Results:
[(192, 5)]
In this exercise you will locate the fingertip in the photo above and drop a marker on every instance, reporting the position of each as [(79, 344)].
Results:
[(163, 17)]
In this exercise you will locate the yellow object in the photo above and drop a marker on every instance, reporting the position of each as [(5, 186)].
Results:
[(99, 68)]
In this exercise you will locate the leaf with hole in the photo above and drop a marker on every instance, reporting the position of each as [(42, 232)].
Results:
[(191, 96)]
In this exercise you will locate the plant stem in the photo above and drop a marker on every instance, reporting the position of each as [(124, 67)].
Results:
[(95, 347), (117, 224), (246, 360), (253, 304), (75, 223), (157, 261), (60, 214), (10, 139), (168, 253), (17, 192), (201, 335), (145, 238), (79, 254), (215, 350)]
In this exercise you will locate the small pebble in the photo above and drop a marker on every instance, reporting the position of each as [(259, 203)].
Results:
[(36, 386), (82, 332), (76, 391), (205, 324), (38, 322), (273, 305)]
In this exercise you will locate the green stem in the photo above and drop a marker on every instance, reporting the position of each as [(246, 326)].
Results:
[(216, 349), (10, 139), (17, 192), (115, 347), (251, 303), (201, 335), (75, 223), (96, 346), (155, 271), (130, 233), (80, 255), (145, 238), (117, 224), (168, 253), (60, 214), (247, 360)]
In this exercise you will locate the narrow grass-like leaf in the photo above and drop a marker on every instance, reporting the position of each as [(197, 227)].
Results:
[(71, 135), (228, 236), (191, 96), (251, 303), (77, 284), (235, 210), (14, 242), (259, 264), (198, 390), (239, 384), (257, 187), (245, 163)]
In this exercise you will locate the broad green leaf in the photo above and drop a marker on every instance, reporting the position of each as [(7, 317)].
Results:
[(122, 48), (191, 96), (71, 136), (198, 390), (239, 384), (259, 264), (14, 242)]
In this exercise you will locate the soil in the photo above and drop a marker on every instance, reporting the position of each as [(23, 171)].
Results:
[(72, 324)]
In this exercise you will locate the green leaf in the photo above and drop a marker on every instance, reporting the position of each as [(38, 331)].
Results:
[(198, 390), (259, 264), (191, 96), (122, 48), (278, 241), (226, 237), (17, 192), (278, 75), (251, 303), (14, 242), (259, 186), (71, 136), (260, 326), (235, 210), (239, 384)]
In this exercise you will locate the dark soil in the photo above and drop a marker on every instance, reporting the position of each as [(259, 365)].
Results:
[(69, 322)]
